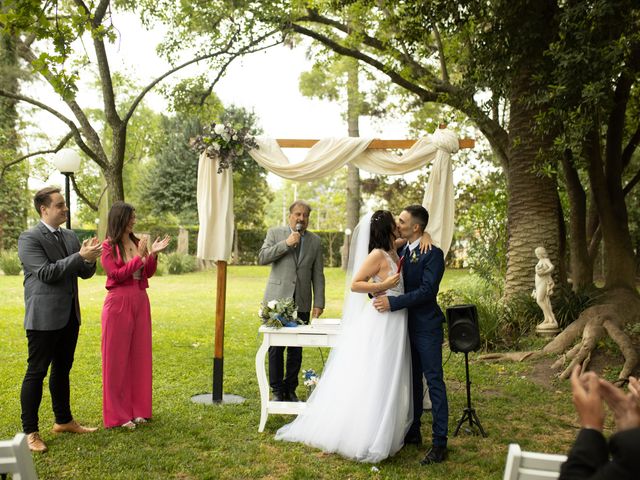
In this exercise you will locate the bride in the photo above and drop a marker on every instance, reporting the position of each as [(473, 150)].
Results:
[(361, 407)]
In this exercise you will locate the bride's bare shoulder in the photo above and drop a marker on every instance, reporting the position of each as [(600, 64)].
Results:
[(376, 253)]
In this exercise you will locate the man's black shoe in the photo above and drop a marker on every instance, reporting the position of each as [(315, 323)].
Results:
[(292, 397), (435, 455), (277, 397), (415, 439)]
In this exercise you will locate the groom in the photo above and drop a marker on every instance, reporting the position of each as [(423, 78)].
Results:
[(422, 273)]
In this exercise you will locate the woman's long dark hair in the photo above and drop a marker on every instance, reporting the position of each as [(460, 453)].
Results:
[(119, 217), (383, 227)]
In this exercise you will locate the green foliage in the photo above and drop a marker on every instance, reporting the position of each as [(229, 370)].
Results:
[(169, 184), (568, 305), (10, 262), (482, 226), (503, 326), (179, 263), (395, 192)]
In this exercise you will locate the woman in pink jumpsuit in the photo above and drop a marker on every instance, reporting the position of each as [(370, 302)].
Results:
[(126, 320)]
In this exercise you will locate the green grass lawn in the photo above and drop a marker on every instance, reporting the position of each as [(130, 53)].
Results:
[(191, 441)]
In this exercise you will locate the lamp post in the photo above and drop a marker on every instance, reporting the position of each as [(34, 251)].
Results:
[(345, 248), (68, 162)]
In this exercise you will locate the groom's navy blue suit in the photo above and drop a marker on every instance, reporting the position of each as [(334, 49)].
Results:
[(422, 275)]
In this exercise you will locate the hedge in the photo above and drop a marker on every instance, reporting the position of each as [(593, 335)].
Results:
[(249, 242)]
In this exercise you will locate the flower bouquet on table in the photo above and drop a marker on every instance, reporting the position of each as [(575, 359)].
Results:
[(223, 142), (279, 313)]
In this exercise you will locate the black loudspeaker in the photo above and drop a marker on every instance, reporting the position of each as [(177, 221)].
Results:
[(464, 332)]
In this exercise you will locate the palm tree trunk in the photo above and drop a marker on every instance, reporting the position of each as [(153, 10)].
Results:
[(533, 207)]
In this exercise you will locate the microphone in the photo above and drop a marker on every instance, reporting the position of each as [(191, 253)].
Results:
[(298, 229)]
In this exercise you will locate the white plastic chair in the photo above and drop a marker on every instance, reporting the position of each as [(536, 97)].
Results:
[(532, 465), (15, 459)]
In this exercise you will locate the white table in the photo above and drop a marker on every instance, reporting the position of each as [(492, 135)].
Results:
[(321, 333)]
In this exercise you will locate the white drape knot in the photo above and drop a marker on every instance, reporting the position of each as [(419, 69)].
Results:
[(446, 140)]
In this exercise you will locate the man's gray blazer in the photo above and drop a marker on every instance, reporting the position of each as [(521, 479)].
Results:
[(287, 276), (51, 277)]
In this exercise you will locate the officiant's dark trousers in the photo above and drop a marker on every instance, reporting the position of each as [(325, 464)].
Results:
[(279, 382)]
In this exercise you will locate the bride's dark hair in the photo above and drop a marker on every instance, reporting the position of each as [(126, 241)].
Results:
[(383, 227)]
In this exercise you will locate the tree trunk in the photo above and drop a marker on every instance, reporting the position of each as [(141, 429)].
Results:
[(353, 117), (13, 183), (115, 185), (353, 174), (614, 224), (581, 261), (532, 207)]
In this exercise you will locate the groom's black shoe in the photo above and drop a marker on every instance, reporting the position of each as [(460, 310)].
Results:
[(277, 397), (292, 397), (413, 439), (435, 455)]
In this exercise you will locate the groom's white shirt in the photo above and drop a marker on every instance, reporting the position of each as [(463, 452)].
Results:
[(413, 245)]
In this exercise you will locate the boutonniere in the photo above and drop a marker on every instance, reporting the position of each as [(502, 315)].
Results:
[(414, 257)]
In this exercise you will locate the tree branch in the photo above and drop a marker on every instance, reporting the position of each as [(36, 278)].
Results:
[(314, 17), (82, 196), (61, 144), (443, 61), (101, 9), (92, 136), (423, 94), (72, 126), (223, 69), (108, 96), (632, 183), (226, 49), (630, 149)]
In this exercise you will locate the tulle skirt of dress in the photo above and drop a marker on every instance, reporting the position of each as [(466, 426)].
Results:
[(361, 408)]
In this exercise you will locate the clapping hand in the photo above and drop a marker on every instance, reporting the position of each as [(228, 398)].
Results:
[(587, 399), (159, 245), (90, 249), (142, 247), (625, 406)]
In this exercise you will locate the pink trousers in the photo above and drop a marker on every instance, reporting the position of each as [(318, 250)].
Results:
[(126, 355)]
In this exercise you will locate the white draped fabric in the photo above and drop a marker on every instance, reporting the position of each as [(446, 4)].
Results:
[(215, 211), (215, 191)]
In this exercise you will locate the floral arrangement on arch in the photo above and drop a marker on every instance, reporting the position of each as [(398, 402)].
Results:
[(223, 142), (279, 313)]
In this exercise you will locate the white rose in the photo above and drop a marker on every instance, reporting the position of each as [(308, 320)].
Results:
[(225, 136), (272, 304), (219, 128), (216, 147), (234, 137)]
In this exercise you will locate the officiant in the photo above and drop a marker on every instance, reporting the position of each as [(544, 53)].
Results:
[(297, 272)]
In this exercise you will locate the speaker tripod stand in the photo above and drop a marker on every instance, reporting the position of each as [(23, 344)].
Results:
[(469, 411)]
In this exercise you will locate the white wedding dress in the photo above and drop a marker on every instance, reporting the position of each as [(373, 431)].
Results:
[(361, 408)]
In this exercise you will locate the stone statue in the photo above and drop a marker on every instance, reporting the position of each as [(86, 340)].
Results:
[(544, 289)]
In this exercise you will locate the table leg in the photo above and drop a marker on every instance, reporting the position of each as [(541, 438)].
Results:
[(263, 383)]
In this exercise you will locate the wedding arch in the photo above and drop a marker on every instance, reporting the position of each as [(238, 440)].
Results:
[(215, 194)]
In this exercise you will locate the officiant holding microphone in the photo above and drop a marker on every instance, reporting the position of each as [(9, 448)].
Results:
[(297, 272)]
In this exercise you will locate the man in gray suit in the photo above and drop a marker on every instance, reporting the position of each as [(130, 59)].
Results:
[(295, 255), (52, 260)]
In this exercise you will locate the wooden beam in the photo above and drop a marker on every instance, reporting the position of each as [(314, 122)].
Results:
[(374, 145)]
